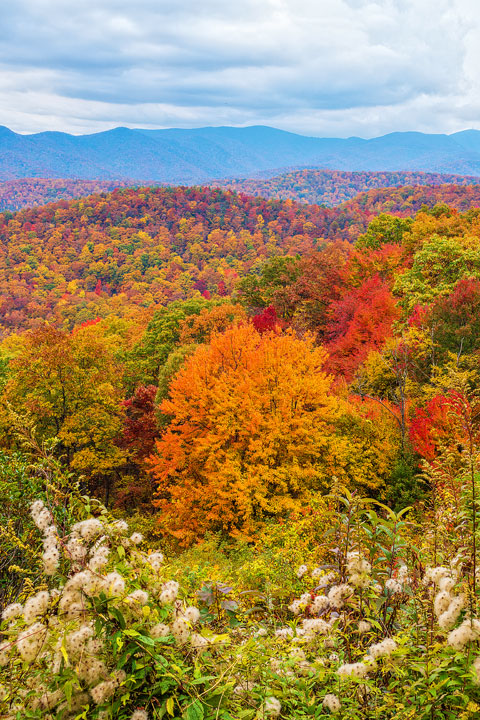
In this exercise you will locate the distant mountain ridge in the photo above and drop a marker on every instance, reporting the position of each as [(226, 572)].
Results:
[(203, 154)]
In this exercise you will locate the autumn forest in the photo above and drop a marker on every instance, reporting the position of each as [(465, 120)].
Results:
[(239, 449)]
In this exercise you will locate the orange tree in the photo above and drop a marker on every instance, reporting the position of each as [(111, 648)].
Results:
[(253, 433)]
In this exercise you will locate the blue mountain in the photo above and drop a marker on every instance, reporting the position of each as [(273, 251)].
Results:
[(202, 154)]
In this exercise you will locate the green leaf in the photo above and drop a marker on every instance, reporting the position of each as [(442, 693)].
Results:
[(132, 633), (67, 689), (146, 640), (115, 612), (194, 711)]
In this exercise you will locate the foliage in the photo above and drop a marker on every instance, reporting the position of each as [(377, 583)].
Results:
[(382, 621), (66, 386), (335, 187), (255, 430)]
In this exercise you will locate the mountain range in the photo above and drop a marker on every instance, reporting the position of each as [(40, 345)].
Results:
[(204, 154)]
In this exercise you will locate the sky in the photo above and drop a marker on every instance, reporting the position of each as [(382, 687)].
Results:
[(332, 68)]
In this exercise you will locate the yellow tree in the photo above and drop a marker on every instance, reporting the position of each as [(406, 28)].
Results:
[(67, 385)]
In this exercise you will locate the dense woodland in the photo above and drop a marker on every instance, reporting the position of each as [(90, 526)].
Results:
[(334, 187), (281, 401), (321, 187), (28, 192)]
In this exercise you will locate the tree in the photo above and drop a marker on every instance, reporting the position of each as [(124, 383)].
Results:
[(250, 432), (437, 267), (255, 429), (384, 230), (359, 323), (67, 386)]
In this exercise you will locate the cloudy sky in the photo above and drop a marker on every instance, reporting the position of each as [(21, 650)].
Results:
[(318, 67)]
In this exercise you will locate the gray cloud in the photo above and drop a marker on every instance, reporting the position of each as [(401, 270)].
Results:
[(324, 67)]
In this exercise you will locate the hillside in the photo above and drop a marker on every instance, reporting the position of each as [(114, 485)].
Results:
[(334, 187), (323, 187), (291, 426), (408, 200), (106, 254), (203, 154), (29, 192), (146, 246)]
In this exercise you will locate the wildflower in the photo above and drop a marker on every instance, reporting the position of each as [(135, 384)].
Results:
[(95, 646), (5, 649), (139, 597), (446, 584), (89, 529), (136, 538), (272, 707), (393, 586), (169, 592), (359, 580), (357, 565), (442, 602), (75, 549), (332, 703), (364, 627), (51, 559), (192, 614), (320, 603), (402, 574), (338, 593), (384, 648), (180, 630), (476, 669), (91, 670), (435, 574), (199, 642), (12, 611), (160, 630), (76, 640), (295, 607), (40, 515), (284, 633), (467, 632), (314, 626), (301, 571), (354, 670), (31, 641), (35, 605), (448, 618), (120, 526), (155, 560), (77, 703), (49, 700), (102, 691), (139, 715), (114, 584), (99, 558)]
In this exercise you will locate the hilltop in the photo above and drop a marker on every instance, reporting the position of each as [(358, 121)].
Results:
[(104, 254), (334, 187)]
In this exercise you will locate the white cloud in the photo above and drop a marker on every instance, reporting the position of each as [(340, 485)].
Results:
[(324, 67)]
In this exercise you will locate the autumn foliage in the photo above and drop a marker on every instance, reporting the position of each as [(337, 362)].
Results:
[(255, 430), (250, 435)]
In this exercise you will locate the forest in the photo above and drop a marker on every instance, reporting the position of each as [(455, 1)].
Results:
[(28, 192), (334, 187), (239, 456)]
